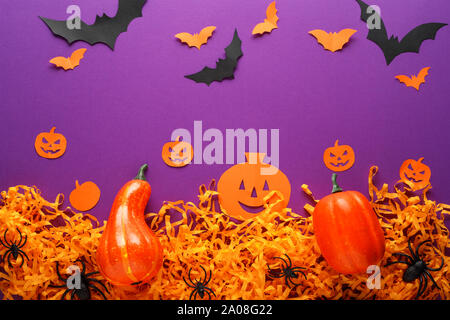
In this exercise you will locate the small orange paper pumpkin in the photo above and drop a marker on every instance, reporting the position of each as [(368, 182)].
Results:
[(177, 153), (85, 196), (50, 145), (416, 173), (339, 157), (242, 188)]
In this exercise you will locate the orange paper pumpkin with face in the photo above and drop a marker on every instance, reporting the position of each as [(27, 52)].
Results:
[(415, 172), (243, 187), (50, 145), (177, 153), (339, 157)]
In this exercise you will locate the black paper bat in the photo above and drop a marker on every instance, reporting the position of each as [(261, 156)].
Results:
[(392, 47), (105, 29), (224, 67)]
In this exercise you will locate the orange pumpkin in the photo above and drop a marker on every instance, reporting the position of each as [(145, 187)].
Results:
[(339, 157), (242, 188), (347, 230), (415, 173), (50, 145), (129, 252), (85, 196), (177, 153)]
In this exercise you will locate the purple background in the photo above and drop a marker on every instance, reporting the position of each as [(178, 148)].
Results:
[(119, 107)]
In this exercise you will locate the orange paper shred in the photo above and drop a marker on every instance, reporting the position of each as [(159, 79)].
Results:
[(237, 254)]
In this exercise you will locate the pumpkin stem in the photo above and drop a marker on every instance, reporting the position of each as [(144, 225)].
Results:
[(336, 188), (141, 175)]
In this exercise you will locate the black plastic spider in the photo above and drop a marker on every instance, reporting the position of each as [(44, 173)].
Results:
[(199, 286), (417, 268), (83, 293), (14, 248), (287, 271)]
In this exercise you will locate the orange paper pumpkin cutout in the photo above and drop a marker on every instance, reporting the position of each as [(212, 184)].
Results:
[(332, 41), (414, 81), (243, 187), (196, 39), (415, 174), (84, 197), (70, 62), (177, 153), (339, 157), (269, 23), (50, 145)]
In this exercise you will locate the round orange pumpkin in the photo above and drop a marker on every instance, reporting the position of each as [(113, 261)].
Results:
[(50, 145), (177, 153), (242, 188), (416, 173), (347, 230)]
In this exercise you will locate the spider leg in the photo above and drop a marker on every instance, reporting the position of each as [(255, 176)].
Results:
[(6, 241), (209, 289), (189, 277), (194, 292), (432, 279), (55, 286), (20, 244), (99, 282), (57, 272), (72, 295), (21, 253), (424, 287), (290, 262), (418, 247), (91, 274), (8, 257), (295, 270), (391, 263), (20, 239), (411, 250), (411, 260), (284, 262), (83, 266), (420, 288), (98, 290), (437, 269), (191, 286), (64, 294), (209, 279)]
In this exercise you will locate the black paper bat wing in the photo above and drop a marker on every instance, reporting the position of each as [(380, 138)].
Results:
[(390, 46), (105, 29), (224, 67)]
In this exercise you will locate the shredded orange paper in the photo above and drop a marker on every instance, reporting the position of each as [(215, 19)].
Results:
[(237, 254)]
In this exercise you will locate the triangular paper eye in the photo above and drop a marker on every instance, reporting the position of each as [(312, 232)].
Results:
[(249, 201), (177, 153), (415, 174), (339, 157), (50, 145)]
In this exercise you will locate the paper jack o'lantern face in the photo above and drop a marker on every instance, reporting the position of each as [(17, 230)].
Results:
[(50, 145), (339, 157), (177, 153), (416, 173), (243, 187)]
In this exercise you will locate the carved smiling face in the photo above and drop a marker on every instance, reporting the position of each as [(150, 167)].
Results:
[(339, 157), (177, 153), (415, 172), (50, 145), (242, 188)]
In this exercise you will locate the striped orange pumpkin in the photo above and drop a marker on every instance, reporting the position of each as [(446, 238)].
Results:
[(348, 232), (129, 252)]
